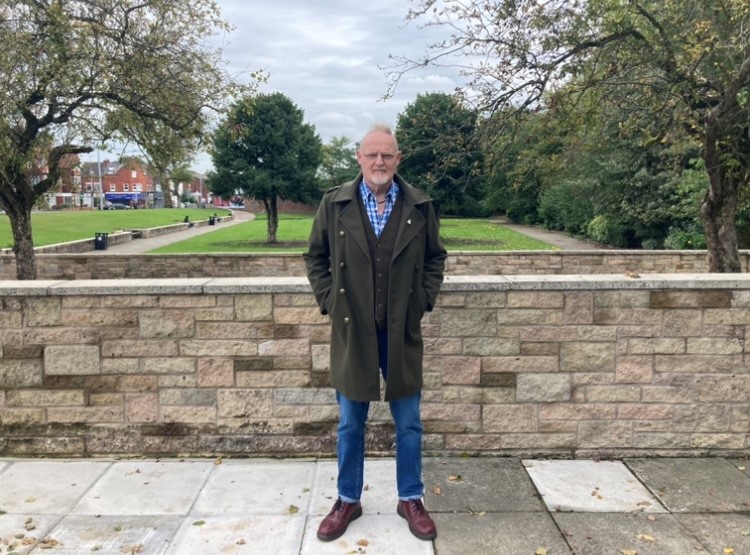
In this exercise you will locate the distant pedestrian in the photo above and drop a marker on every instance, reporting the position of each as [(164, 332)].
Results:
[(188, 222)]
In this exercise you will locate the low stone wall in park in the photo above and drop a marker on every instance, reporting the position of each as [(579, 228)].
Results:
[(574, 366), (107, 265)]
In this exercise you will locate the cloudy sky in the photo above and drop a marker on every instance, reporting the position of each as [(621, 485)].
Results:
[(329, 56)]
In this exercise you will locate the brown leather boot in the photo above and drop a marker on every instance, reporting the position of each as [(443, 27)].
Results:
[(337, 521), (420, 521)]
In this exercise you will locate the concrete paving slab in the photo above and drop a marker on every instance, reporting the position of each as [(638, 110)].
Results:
[(380, 495), (19, 533), (498, 534), (604, 533), (686, 485), (146, 488), (720, 531), (371, 533), (113, 535), (236, 534), (475, 485), (47, 487), (272, 488), (590, 486)]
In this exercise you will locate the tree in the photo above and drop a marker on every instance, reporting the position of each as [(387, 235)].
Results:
[(436, 133), (265, 151), (338, 163), (677, 67), (77, 67)]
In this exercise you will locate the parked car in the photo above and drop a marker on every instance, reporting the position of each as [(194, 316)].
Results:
[(117, 206)]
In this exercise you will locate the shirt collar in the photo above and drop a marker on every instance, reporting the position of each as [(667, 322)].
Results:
[(367, 193)]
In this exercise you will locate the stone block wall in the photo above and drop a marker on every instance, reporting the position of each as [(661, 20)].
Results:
[(573, 366), (106, 265)]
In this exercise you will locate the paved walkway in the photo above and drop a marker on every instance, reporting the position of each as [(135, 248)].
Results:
[(481, 506), (139, 246), (555, 238)]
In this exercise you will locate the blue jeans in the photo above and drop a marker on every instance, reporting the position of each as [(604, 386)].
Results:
[(351, 440)]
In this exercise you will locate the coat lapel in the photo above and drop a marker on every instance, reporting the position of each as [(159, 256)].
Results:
[(350, 215)]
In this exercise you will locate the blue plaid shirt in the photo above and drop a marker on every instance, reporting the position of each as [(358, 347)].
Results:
[(371, 206)]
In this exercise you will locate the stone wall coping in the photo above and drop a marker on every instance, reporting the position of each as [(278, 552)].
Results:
[(197, 286)]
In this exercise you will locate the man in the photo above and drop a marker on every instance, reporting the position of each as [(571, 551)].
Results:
[(375, 263)]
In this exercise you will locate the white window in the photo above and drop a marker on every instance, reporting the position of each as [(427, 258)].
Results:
[(133, 174), (137, 187), (112, 188), (125, 187)]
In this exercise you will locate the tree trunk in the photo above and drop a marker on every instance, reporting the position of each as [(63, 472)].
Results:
[(272, 212), (719, 206), (20, 224)]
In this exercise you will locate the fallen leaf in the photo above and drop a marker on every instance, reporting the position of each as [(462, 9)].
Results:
[(728, 551), (745, 532), (652, 518), (293, 509), (132, 549), (49, 543), (454, 478), (437, 491), (595, 493), (241, 541), (740, 468), (634, 275), (218, 460), (199, 523), (646, 538), (363, 543), (628, 552), (541, 551), (31, 500)]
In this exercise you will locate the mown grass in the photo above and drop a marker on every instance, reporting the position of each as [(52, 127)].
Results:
[(294, 229), (72, 225), (457, 234)]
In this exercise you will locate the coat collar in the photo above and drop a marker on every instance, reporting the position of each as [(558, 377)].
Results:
[(411, 194), (411, 222)]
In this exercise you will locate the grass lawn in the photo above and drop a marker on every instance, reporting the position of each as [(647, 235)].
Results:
[(457, 234), (71, 225)]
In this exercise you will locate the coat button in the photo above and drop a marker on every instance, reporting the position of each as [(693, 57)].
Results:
[(341, 233), (342, 265), (346, 320), (342, 291)]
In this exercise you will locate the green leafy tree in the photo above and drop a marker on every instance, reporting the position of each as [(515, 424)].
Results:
[(442, 155), (264, 150), (338, 163), (676, 68), (69, 67)]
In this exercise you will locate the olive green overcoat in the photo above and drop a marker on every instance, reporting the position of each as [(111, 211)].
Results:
[(340, 273)]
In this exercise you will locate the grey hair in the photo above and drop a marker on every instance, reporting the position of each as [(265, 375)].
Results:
[(381, 128)]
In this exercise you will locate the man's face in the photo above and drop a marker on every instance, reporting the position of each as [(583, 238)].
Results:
[(378, 158)]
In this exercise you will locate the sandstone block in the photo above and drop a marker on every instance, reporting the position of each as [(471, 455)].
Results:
[(43, 397), (248, 403), (70, 360), (587, 357), (491, 346), (218, 348), (171, 324), (605, 434), (42, 311), (691, 299), (139, 348), (535, 299), (486, 299), (215, 372), (253, 308), (634, 369), (468, 323), (509, 418), (517, 365), (543, 388), (613, 393), (141, 407)]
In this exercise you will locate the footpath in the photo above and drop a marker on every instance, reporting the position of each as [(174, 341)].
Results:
[(506, 506)]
